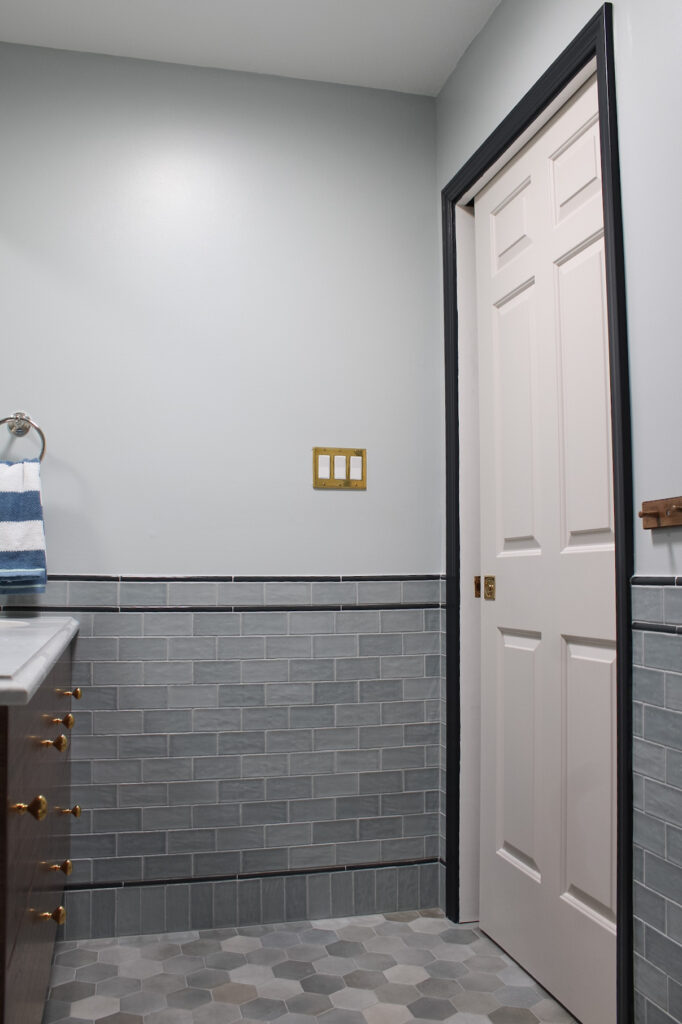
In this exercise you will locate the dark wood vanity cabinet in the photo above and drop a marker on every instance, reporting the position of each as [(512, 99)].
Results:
[(34, 840)]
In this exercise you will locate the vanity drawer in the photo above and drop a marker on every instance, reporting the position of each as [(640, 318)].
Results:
[(27, 974)]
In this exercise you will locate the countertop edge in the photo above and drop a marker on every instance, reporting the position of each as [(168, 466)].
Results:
[(22, 687)]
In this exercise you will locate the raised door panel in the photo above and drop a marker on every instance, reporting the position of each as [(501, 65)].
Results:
[(517, 808), (510, 225), (589, 778), (514, 410), (585, 426)]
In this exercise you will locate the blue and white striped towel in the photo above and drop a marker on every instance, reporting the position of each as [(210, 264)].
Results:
[(22, 537)]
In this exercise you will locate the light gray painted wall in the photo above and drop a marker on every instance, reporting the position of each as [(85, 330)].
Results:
[(202, 275), (516, 46)]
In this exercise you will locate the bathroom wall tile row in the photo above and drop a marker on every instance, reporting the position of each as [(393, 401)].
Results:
[(657, 779), (119, 593), (136, 910), (657, 603)]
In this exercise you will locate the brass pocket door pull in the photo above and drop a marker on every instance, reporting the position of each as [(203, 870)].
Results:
[(37, 807), (60, 743), (58, 915)]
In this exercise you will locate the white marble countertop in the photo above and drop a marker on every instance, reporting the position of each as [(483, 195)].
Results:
[(29, 647)]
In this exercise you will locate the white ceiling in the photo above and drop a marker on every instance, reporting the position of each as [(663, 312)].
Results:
[(403, 45)]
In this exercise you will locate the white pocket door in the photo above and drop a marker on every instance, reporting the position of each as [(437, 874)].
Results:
[(548, 788)]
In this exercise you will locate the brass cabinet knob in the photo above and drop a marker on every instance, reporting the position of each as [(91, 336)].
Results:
[(60, 744), (75, 810), (67, 721), (66, 866), (76, 693), (58, 915), (37, 807)]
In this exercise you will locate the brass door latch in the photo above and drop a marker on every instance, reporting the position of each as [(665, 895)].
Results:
[(488, 587)]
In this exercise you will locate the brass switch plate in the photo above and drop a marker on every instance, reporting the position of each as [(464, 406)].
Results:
[(489, 588), (340, 469)]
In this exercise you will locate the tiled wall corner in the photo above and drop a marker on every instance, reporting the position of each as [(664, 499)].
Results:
[(657, 763)]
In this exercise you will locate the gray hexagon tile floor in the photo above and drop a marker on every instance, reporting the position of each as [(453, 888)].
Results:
[(397, 968)]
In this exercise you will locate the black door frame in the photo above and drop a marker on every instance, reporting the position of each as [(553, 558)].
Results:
[(594, 42)]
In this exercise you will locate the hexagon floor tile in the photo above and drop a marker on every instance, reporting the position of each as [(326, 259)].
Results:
[(379, 969)]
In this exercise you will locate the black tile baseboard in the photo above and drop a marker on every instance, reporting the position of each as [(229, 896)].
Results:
[(147, 909)]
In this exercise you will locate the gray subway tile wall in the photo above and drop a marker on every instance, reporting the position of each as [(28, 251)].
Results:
[(270, 728), (657, 779)]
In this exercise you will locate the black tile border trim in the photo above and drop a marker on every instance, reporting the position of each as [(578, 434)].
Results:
[(656, 581), (657, 627), (101, 578), (196, 599), (124, 608), (259, 900), (245, 876)]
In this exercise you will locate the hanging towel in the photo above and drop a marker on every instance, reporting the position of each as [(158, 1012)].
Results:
[(22, 537)]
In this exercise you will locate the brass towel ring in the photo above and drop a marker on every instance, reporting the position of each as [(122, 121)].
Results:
[(20, 423)]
